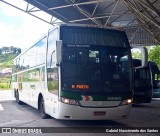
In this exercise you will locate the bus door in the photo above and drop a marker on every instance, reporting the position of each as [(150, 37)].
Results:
[(52, 73)]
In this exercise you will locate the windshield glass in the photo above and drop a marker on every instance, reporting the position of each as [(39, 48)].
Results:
[(96, 70)]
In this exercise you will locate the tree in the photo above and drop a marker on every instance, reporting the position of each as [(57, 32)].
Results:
[(5, 50), (136, 54), (154, 55), (10, 50), (18, 50), (13, 49)]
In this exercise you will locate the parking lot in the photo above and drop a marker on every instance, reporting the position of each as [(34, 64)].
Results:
[(14, 115)]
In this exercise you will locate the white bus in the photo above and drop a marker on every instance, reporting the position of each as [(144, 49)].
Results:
[(76, 72)]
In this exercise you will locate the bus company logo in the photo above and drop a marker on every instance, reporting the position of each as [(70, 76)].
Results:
[(87, 98), (33, 86)]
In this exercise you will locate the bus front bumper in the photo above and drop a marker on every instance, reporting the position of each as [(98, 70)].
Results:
[(74, 112)]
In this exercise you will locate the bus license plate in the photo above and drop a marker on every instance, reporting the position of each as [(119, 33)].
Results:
[(99, 113)]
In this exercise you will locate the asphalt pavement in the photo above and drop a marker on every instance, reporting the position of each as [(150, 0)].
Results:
[(24, 116)]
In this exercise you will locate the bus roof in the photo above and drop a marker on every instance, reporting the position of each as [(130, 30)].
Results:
[(68, 25)]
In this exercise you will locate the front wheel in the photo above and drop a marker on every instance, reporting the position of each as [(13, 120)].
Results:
[(42, 109), (149, 99), (17, 98)]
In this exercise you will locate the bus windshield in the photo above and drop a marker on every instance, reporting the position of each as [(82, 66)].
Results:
[(96, 70)]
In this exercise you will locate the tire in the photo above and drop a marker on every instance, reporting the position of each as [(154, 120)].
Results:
[(14, 93), (42, 109), (149, 100), (17, 98)]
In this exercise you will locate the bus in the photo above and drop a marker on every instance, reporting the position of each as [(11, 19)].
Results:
[(155, 79), (143, 87), (77, 72)]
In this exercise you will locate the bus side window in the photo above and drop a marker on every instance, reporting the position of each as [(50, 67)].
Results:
[(157, 80)]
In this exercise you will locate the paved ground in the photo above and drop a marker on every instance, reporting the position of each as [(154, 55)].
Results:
[(6, 95), (14, 115)]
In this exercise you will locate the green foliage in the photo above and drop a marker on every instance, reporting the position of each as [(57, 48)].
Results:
[(6, 60), (5, 79), (7, 54), (136, 55), (5, 85), (5, 82), (10, 50), (154, 55)]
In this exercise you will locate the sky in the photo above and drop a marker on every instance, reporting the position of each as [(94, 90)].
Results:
[(18, 28)]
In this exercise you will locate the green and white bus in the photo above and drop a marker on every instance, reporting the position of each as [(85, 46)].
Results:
[(76, 72)]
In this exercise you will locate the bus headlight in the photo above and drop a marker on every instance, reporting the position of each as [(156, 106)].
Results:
[(69, 101), (126, 102)]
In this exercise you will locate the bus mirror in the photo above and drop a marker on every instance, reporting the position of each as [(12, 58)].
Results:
[(144, 56), (144, 59), (59, 52)]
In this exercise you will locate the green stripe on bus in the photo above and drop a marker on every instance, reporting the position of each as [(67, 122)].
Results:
[(71, 95), (37, 74)]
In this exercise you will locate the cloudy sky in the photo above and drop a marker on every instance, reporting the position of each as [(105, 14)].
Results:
[(19, 29)]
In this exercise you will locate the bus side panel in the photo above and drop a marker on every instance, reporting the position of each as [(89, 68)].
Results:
[(51, 102), (36, 87)]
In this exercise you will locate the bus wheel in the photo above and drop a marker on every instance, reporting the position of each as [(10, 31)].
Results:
[(17, 98), (42, 109), (149, 100)]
